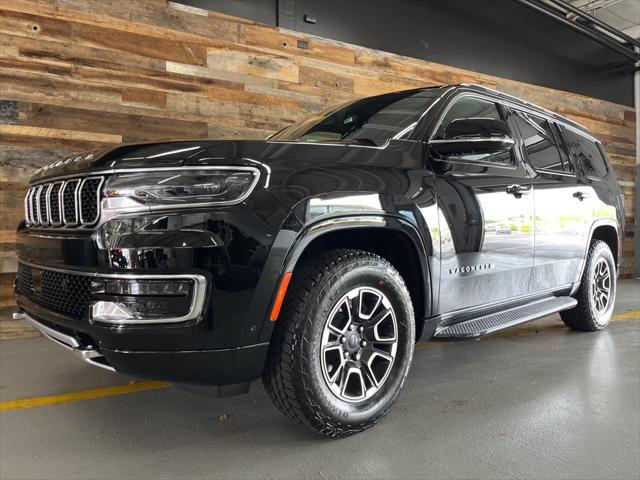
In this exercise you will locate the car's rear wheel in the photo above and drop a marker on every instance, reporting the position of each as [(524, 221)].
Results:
[(343, 344), (597, 292)]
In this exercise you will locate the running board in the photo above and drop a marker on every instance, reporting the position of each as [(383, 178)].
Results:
[(487, 324)]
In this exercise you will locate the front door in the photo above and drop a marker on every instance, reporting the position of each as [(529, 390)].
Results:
[(485, 218)]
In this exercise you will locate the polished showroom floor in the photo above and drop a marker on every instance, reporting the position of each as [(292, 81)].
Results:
[(535, 402)]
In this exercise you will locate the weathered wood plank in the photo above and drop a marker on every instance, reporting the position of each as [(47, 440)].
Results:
[(287, 42), (90, 16), (130, 127), (58, 133), (53, 29), (139, 97), (75, 75)]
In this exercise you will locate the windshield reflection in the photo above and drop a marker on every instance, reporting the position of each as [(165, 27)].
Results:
[(370, 121)]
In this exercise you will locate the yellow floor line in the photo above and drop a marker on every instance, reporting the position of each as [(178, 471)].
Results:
[(81, 395), (627, 315), (153, 385)]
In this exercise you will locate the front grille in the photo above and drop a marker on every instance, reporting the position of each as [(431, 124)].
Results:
[(89, 197), (43, 212), (63, 293), (70, 203), (54, 204)]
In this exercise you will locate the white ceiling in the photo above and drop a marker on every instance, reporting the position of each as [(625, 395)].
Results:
[(623, 15)]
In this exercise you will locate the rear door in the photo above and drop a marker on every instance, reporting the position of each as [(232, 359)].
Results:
[(563, 207), (486, 217)]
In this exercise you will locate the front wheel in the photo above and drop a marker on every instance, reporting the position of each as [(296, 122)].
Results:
[(343, 345), (597, 292)]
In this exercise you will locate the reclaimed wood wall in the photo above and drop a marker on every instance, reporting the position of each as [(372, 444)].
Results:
[(78, 74)]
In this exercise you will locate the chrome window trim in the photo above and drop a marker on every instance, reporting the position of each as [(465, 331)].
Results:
[(98, 198), (527, 107), (197, 297), (492, 139)]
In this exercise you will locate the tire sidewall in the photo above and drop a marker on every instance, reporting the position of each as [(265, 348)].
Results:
[(367, 273), (600, 320)]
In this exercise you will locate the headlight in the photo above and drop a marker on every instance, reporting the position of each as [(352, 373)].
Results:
[(184, 187)]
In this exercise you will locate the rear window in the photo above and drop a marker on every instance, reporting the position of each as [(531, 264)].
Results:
[(586, 153), (540, 143)]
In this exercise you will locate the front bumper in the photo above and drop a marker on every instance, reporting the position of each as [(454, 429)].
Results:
[(86, 353), (219, 367)]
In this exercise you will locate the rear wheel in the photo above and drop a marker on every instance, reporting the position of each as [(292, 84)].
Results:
[(343, 345), (597, 292)]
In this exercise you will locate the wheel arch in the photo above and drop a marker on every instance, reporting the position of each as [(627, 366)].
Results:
[(607, 231), (392, 238)]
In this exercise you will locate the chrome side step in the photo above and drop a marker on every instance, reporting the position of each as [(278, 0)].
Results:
[(86, 353), (487, 324)]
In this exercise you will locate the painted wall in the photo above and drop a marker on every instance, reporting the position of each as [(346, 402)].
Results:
[(76, 75)]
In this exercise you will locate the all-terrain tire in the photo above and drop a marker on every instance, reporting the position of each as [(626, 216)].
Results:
[(294, 375), (592, 313)]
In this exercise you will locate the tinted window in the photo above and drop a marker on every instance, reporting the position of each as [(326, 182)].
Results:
[(370, 121), (468, 107), (568, 162), (586, 153), (473, 107), (540, 144)]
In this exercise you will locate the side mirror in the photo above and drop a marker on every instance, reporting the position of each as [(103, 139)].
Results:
[(477, 136)]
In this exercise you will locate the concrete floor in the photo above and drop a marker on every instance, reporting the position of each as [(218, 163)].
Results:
[(535, 402)]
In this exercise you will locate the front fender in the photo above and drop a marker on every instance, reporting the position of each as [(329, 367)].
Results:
[(300, 241)]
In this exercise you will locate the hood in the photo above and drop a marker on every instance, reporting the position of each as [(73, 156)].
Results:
[(291, 155), (146, 155), (291, 171)]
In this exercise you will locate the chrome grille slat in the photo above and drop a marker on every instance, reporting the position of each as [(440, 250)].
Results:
[(38, 205), (43, 203), (55, 214), (71, 203), (89, 200)]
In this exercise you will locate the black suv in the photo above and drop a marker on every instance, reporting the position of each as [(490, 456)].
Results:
[(317, 258)]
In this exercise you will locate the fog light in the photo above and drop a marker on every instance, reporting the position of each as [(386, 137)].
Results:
[(147, 287), (139, 300)]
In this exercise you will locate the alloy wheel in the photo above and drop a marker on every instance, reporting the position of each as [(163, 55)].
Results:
[(601, 285), (359, 344)]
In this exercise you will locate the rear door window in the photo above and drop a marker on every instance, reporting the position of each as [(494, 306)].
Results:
[(540, 143), (586, 153)]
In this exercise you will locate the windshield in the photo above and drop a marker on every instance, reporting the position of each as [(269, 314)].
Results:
[(369, 121)]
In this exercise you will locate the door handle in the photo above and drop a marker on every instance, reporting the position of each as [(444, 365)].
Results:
[(518, 190), (580, 195)]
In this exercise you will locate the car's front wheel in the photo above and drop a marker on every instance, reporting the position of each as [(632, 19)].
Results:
[(343, 344), (597, 292)]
